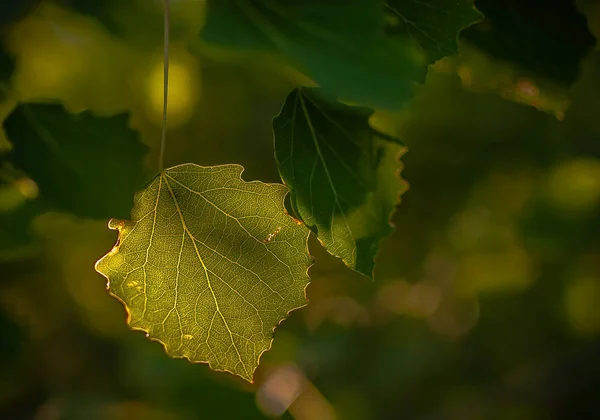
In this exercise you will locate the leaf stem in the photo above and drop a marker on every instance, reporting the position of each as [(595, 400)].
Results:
[(163, 139)]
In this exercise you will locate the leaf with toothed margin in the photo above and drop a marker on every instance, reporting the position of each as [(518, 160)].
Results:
[(341, 45), (343, 176), (209, 265), (83, 164), (433, 25)]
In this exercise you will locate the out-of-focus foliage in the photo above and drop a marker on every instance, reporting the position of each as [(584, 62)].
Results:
[(340, 45), (10, 12), (6, 69), (433, 25), (19, 205), (14, 10), (343, 176), (86, 165), (484, 303), (211, 298), (546, 39), (591, 10)]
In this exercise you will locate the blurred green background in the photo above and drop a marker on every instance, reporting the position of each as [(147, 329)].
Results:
[(486, 299)]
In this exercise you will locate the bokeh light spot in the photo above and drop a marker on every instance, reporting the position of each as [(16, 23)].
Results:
[(280, 390), (423, 299), (581, 304), (392, 296), (455, 316), (28, 188), (574, 185), (183, 91)]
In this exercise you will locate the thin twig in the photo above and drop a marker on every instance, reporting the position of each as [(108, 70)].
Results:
[(163, 139), (387, 137)]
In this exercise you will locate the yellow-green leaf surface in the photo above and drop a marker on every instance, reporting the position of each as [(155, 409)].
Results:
[(209, 265)]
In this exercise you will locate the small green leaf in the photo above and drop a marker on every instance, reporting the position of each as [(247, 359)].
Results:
[(343, 176), (86, 165), (433, 25), (209, 265), (339, 44)]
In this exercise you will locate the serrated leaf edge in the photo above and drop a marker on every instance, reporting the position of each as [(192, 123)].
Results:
[(115, 224)]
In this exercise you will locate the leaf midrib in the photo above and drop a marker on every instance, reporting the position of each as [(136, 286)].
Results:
[(186, 230), (329, 178)]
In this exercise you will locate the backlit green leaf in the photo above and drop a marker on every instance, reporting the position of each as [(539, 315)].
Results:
[(339, 44), (343, 176), (433, 25), (86, 165), (209, 265)]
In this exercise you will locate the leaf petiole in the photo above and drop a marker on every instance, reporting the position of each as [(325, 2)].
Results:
[(161, 157)]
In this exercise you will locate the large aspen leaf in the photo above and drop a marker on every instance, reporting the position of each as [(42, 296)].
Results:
[(209, 265)]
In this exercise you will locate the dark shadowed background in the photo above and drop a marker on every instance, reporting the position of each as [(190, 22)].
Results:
[(486, 299)]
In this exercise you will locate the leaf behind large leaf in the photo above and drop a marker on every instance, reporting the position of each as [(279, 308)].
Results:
[(343, 176), (86, 165)]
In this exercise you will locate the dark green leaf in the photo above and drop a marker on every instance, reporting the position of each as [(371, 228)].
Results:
[(433, 25), (339, 44), (342, 175), (86, 165)]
